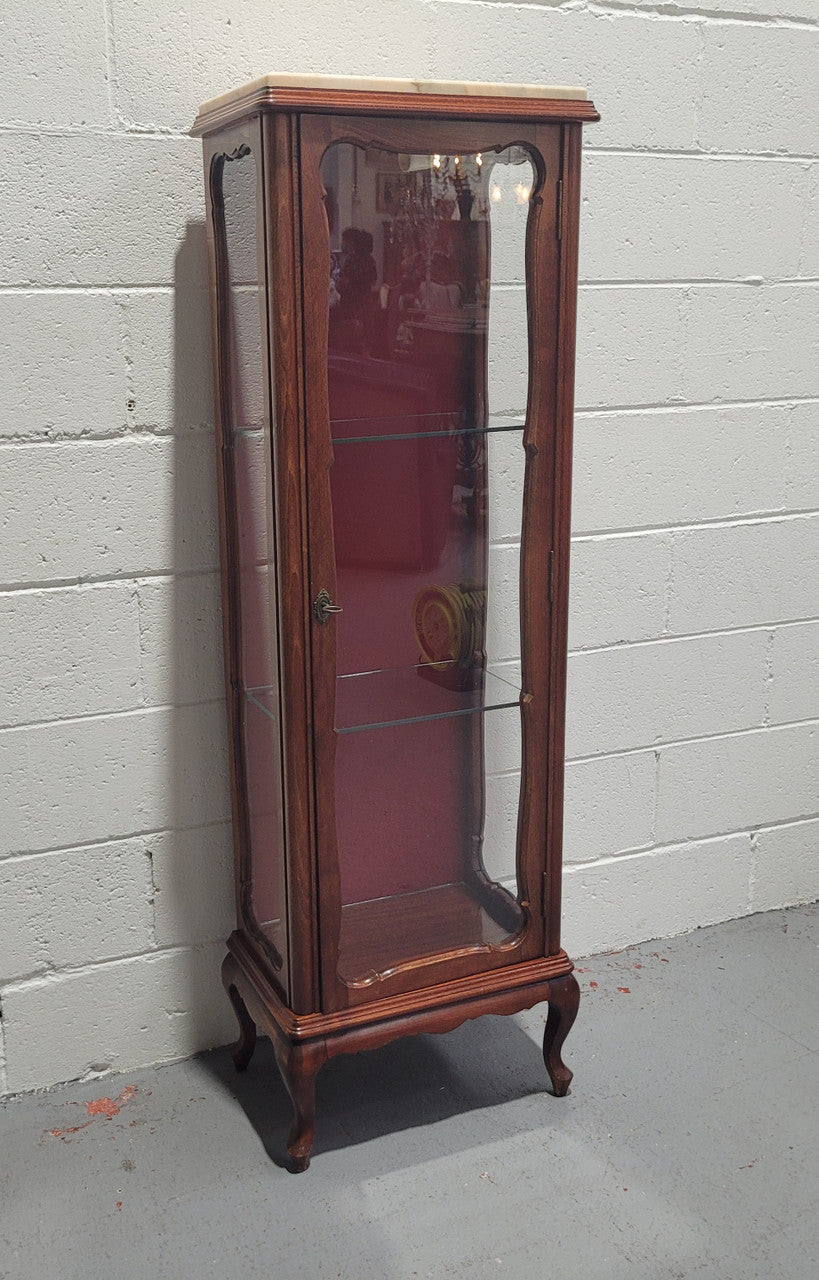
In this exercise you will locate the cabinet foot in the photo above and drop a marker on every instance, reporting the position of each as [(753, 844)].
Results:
[(244, 1046), (564, 999), (299, 1065)]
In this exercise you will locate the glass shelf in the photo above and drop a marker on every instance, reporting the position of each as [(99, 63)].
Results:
[(415, 426), (409, 695), (263, 698), (448, 426), (402, 695), (442, 433)]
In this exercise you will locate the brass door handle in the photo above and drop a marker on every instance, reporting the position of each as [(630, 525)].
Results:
[(323, 606)]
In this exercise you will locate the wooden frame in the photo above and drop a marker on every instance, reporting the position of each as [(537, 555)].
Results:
[(298, 998)]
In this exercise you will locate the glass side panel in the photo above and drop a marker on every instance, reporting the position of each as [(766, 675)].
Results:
[(251, 500), (427, 380)]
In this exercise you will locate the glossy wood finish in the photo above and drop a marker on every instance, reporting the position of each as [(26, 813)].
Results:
[(315, 1014), (303, 1044), (564, 418), (425, 106), (564, 999), (286, 356), (438, 921)]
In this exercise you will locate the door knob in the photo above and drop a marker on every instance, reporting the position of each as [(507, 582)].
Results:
[(323, 606)]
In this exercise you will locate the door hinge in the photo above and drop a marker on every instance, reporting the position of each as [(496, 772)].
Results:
[(545, 895), (560, 208), (551, 576)]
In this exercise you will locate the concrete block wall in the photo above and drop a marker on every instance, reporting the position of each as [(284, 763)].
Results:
[(692, 784)]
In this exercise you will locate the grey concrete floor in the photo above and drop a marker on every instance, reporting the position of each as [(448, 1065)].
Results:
[(688, 1146)]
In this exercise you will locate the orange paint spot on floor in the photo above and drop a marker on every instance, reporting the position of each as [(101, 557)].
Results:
[(625, 990), (102, 1107), (110, 1107), (107, 1107), (61, 1133)]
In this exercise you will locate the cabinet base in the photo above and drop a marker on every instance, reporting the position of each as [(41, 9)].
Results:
[(302, 1044)]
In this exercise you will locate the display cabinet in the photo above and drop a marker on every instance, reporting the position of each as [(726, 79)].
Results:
[(393, 275)]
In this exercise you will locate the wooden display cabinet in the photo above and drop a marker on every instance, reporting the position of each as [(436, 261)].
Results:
[(393, 273)]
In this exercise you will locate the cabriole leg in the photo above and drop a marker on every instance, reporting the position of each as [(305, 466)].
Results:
[(243, 1049), (299, 1065), (564, 998)]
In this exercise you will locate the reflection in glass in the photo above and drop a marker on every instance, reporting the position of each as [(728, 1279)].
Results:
[(251, 498), (427, 409)]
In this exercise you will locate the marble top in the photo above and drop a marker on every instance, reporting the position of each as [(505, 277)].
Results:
[(469, 88)]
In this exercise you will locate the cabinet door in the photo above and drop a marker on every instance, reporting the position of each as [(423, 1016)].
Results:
[(430, 270)]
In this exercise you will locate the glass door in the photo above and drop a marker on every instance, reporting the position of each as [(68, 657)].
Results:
[(421, 453)]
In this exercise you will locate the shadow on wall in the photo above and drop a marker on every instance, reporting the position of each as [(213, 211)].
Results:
[(192, 861)]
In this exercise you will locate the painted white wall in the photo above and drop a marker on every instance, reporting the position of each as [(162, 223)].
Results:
[(693, 775)]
